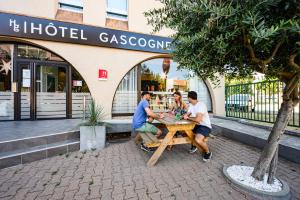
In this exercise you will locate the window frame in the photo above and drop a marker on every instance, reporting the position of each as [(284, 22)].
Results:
[(65, 5), (113, 13)]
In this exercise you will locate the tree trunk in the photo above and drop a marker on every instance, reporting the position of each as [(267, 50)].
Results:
[(273, 167), (272, 143)]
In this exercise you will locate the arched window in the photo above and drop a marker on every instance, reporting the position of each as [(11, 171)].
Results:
[(162, 78), (46, 86)]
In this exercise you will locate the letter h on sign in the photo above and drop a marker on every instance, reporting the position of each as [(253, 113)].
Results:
[(102, 74)]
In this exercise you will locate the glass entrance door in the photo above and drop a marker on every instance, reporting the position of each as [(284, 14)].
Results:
[(42, 90), (51, 91)]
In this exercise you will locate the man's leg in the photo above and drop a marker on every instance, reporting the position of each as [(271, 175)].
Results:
[(193, 148), (200, 140), (153, 129), (142, 130), (158, 133), (147, 127)]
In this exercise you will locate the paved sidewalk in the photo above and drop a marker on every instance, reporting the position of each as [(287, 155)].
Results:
[(120, 172), (14, 130), (18, 130), (289, 145)]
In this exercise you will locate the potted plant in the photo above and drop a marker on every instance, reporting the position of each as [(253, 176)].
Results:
[(93, 130)]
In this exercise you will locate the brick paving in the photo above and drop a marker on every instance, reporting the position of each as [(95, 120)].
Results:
[(120, 172)]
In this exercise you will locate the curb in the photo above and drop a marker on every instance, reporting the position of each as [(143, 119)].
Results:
[(284, 194), (250, 123), (285, 151)]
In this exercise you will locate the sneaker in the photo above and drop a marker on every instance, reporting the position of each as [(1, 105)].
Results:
[(207, 156), (144, 148), (193, 149)]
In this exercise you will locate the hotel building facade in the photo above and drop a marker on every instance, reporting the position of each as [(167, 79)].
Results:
[(55, 55)]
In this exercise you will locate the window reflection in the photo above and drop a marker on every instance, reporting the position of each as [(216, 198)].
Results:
[(162, 75), (117, 9), (71, 5), (162, 78), (6, 93), (30, 52)]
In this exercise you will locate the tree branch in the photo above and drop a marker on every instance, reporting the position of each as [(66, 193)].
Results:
[(285, 76), (295, 96), (262, 63), (250, 48), (252, 54), (292, 62), (267, 61), (291, 86)]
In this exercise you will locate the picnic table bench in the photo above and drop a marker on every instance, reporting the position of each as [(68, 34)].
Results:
[(173, 126)]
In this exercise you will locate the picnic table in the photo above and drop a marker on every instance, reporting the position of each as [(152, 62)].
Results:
[(173, 125)]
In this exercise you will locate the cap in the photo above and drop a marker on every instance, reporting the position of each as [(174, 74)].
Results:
[(146, 92)]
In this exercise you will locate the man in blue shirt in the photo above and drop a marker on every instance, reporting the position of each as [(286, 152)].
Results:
[(143, 111)]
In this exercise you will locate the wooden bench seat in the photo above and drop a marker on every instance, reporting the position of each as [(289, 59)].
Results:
[(149, 139)]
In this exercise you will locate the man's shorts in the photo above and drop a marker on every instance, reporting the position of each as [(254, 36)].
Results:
[(147, 127), (203, 130)]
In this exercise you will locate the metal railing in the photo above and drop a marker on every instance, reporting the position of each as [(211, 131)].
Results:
[(257, 101)]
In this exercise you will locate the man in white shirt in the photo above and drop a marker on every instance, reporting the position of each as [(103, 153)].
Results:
[(197, 112)]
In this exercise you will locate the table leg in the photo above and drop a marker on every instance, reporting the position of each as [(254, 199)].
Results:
[(192, 137), (161, 148)]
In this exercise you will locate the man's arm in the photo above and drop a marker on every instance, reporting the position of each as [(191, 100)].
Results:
[(186, 115), (197, 119), (150, 119), (150, 113)]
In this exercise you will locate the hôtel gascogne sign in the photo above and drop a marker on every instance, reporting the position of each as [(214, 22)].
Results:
[(51, 30)]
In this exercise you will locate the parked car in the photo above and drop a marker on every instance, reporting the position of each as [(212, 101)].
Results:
[(240, 102)]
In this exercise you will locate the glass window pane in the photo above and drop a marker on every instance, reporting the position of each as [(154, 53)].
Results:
[(78, 3), (6, 94), (118, 16), (30, 52), (71, 5), (125, 99), (80, 93), (71, 8), (162, 78), (50, 92), (117, 6), (25, 90)]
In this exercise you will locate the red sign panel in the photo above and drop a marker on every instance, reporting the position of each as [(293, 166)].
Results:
[(102, 74)]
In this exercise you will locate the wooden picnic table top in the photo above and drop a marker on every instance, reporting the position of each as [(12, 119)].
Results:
[(171, 120)]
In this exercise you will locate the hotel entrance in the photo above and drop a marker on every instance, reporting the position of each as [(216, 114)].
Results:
[(42, 90), (37, 84)]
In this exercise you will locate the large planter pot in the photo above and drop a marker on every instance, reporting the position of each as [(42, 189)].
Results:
[(92, 137), (252, 193)]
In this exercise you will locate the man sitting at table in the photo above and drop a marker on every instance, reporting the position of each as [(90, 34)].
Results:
[(197, 112), (139, 122)]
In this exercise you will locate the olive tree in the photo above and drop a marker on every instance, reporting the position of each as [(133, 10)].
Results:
[(236, 38)]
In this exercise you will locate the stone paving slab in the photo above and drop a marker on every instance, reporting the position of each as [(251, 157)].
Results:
[(120, 172)]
